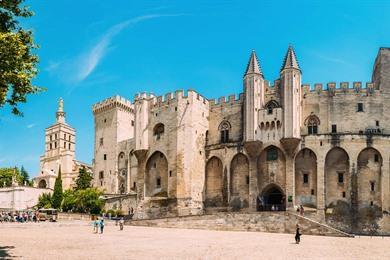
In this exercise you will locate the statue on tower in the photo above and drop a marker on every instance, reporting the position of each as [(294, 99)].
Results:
[(60, 115)]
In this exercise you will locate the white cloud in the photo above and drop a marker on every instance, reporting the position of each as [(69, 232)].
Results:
[(89, 60), (30, 126)]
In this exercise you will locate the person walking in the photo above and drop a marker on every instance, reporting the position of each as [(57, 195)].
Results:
[(96, 225), (101, 224), (121, 223), (297, 235)]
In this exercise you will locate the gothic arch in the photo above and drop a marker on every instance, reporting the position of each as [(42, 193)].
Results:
[(42, 184), (271, 167), (306, 178), (337, 176), (312, 122), (214, 195), (239, 181), (156, 175), (369, 166), (224, 129), (271, 197)]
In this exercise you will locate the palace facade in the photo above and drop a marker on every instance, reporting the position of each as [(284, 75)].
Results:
[(275, 146)]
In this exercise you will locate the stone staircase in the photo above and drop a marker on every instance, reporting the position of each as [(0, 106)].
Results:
[(275, 222)]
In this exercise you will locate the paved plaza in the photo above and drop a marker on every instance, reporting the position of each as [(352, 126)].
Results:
[(76, 240)]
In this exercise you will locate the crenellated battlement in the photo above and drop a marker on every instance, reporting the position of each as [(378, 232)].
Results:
[(115, 101), (230, 100), (331, 89), (172, 98)]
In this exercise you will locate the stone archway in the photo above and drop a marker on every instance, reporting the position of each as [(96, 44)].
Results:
[(306, 178), (239, 181), (271, 166), (42, 184), (214, 195), (156, 176), (337, 177), (272, 198), (369, 167)]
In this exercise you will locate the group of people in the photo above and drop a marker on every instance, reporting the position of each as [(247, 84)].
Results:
[(300, 210), (98, 225), (21, 217)]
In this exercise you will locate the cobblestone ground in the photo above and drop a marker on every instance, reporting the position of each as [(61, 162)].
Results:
[(76, 240)]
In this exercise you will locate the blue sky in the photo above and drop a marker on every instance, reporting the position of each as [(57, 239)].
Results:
[(91, 50)]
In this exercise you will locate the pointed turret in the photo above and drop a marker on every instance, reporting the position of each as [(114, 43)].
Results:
[(60, 115), (253, 66), (290, 60)]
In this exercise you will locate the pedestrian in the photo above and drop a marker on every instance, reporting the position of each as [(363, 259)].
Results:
[(301, 210), (101, 224), (297, 235), (96, 225), (121, 223)]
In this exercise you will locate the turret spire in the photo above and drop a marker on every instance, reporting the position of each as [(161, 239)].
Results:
[(60, 115), (253, 65), (290, 60)]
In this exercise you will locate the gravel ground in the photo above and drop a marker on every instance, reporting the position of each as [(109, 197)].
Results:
[(76, 240)]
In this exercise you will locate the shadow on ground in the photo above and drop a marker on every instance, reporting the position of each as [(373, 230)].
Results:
[(4, 252)]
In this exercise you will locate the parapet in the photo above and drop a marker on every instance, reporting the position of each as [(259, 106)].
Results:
[(172, 97), (230, 100), (109, 103), (331, 89)]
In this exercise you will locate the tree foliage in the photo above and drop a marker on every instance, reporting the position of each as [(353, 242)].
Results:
[(45, 200), (83, 201), (57, 194), (83, 180), (6, 175), (18, 62), (24, 177)]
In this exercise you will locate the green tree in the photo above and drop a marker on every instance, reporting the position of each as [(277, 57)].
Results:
[(45, 200), (69, 202), (18, 62), (6, 175), (83, 180), (24, 177), (90, 201), (57, 194)]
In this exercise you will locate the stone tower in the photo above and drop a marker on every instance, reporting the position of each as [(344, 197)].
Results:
[(254, 96), (114, 123), (290, 76)]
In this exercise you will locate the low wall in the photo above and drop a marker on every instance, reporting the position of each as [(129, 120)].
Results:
[(20, 197), (73, 216)]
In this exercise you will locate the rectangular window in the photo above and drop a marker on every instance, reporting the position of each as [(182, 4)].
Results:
[(51, 147), (65, 136), (64, 145), (224, 136), (51, 137), (305, 178), (101, 175), (69, 146), (312, 129), (360, 107), (377, 123), (101, 183), (55, 136), (343, 194), (272, 154), (312, 191), (134, 185), (334, 128), (101, 141), (158, 182), (340, 177), (69, 137), (132, 122), (376, 157), (247, 180), (170, 173), (55, 144), (372, 184), (105, 157)]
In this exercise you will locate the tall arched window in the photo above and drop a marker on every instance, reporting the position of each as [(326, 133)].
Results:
[(271, 105), (312, 122), (224, 128), (158, 130)]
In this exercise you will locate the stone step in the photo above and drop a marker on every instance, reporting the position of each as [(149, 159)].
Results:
[(280, 222)]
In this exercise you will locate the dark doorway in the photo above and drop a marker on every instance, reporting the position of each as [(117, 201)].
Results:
[(271, 199)]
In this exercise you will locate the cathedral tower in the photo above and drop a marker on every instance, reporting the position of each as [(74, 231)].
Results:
[(254, 96)]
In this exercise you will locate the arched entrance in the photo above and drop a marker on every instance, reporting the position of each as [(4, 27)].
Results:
[(156, 176), (239, 181), (42, 184), (306, 178), (271, 198), (214, 183)]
